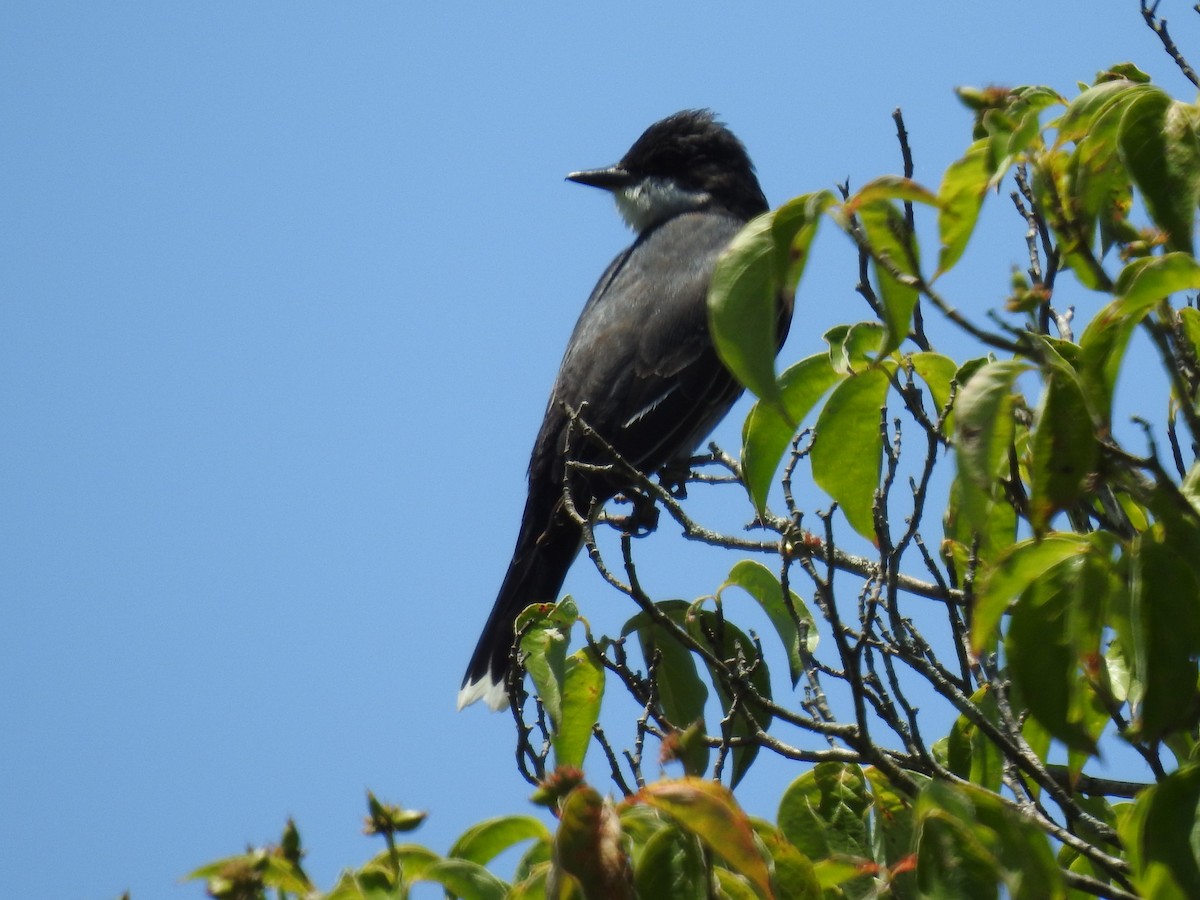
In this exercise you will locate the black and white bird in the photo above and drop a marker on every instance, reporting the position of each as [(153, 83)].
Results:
[(640, 363)]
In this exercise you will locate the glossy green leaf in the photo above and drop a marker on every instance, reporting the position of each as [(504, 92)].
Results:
[(486, 840), (1103, 344), (679, 688), (970, 753), (709, 811), (1158, 142), (893, 247), (1064, 451), (824, 811), (979, 513), (759, 270), (742, 303), (545, 628), (1144, 282), (983, 432), (1053, 174), (1165, 635), (1163, 836), (1098, 184), (536, 858), (762, 584), (727, 642), (1085, 115), (794, 227), (1008, 579), (939, 373), (960, 196), (672, 865), (582, 693), (466, 880), (889, 188), (588, 846), (533, 885), (892, 830), (768, 431), (847, 452), (969, 842), (1189, 320), (853, 348), (734, 887), (1053, 639), (793, 873), (1099, 187)]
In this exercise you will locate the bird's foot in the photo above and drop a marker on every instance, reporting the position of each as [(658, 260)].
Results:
[(642, 518), (674, 477)]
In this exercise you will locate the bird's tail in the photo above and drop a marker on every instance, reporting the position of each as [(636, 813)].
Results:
[(535, 575)]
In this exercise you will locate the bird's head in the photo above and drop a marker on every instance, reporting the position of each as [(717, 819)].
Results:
[(685, 162)]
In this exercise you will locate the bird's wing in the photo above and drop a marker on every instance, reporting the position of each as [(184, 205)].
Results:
[(641, 357)]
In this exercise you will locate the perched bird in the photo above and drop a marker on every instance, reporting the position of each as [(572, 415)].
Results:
[(640, 364)]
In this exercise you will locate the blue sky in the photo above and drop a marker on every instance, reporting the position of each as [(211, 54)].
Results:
[(283, 287)]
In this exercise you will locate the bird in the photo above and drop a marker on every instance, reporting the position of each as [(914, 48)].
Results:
[(640, 367)]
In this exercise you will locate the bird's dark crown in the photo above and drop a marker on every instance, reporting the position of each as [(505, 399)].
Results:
[(699, 153)]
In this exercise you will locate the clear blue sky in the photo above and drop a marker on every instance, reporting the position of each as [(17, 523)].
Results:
[(282, 290)]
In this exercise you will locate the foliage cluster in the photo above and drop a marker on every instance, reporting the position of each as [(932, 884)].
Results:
[(1067, 574)]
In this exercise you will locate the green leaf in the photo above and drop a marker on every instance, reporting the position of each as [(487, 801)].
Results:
[(951, 862), (969, 841), (848, 449), (588, 846), (1064, 452), (888, 188), (743, 299), (727, 642), (852, 348), (761, 583), (938, 372), (709, 811), (734, 886), (1163, 838), (891, 242), (1145, 282), (484, 841), (892, 831), (757, 272), (824, 811), (533, 885), (794, 875), (1013, 573), (983, 435), (545, 628), (681, 692), (984, 428), (466, 880), (672, 865), (794, 228), (1165, 634), (1189, 318), (1053, 644), (1103, 344), (768, 431), (582, 692), (960, 197), (1159, 143), (970, 753)]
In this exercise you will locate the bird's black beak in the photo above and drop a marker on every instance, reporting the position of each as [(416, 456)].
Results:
[(611, 178)]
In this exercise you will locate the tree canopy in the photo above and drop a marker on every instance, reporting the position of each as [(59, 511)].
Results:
[(987, 478)]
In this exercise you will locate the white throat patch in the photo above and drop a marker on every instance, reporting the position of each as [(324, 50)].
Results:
[(651, 200)]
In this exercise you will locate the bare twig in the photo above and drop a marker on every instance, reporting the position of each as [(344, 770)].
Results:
[(1159, 27)]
